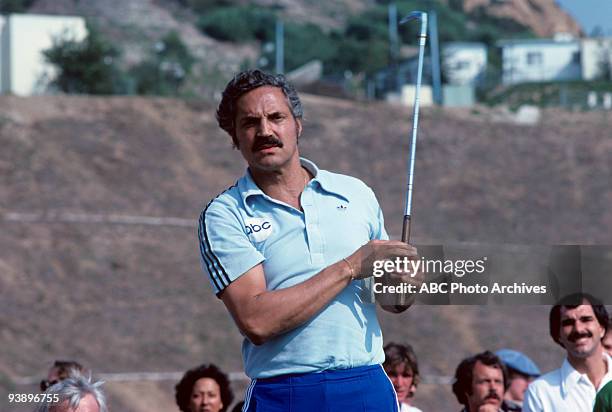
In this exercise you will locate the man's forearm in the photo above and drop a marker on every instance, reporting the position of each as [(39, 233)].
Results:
[(265, 314)]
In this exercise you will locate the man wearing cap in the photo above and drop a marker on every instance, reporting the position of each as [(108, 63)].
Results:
[(521, 372), (577, 322)]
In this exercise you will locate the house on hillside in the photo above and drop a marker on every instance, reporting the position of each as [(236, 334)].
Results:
[(396, 83), (537, 60), (596, 58), (23, 38), (464, 63)]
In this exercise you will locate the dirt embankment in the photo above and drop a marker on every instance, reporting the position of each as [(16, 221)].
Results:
[(127, 295)]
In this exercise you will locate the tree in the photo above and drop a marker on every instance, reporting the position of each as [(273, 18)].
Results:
[(166, 69), (87, 66), (14, 6)]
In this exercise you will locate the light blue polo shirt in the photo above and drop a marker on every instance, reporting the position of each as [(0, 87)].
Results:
[(243, 227)]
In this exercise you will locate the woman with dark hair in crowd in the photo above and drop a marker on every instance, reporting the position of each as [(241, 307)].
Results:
[(204, 389)]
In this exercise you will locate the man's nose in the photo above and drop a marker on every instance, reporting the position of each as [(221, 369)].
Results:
[(580, 327), (264, 128), (402, 380)]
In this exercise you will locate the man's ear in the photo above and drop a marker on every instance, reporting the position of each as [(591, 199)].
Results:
[(299, 127)]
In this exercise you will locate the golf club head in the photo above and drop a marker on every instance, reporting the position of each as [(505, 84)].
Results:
[(413, 16)]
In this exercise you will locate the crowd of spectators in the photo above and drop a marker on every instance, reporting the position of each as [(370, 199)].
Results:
[(502, 381)]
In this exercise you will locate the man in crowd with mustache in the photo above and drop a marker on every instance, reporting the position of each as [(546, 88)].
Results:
[(287, 249), (578, 323), (480, 383)]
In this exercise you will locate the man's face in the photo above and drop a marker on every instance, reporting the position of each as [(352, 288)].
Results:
[(518, 386), (266, 131), (402, 379), (87, 404), (487, 387), (580, 332), (607, 342)]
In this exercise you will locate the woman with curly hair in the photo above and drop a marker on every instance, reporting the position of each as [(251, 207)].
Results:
[(204, 389)]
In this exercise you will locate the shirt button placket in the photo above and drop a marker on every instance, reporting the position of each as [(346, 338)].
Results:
[(313, 233)]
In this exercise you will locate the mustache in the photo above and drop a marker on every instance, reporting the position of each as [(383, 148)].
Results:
[(493, 395), (266, 141), (574, 336)]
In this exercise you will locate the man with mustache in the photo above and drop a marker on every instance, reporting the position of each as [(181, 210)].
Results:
[(288, 250), (578, 323), (480, 383)]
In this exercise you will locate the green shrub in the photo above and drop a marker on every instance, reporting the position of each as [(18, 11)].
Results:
[(14, 6), (166, 69), (87, 66), (238, 23), (304, 43)]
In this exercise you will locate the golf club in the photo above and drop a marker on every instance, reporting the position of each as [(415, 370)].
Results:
[(422, 16)]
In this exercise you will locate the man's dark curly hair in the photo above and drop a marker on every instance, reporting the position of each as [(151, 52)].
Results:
[(464, 374), (572, 301), (246, 81), (184, 388)]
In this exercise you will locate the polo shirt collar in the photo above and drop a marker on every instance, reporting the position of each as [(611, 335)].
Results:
[(570, 377), (249, 188), (324, 179)]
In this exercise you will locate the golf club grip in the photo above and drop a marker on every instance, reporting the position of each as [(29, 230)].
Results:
[(406, 229)]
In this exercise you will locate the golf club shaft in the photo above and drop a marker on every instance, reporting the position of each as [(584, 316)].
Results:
[(415, 125)]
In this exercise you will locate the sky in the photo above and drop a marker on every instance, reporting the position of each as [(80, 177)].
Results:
[(590, 13)]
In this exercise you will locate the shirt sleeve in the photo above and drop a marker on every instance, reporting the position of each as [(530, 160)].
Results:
[(378, 231), (225, 250)]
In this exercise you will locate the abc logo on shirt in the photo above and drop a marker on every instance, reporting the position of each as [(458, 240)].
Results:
[(258, 229)]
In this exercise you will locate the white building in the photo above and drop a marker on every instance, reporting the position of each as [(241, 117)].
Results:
[(596, 58), (464, 63), (23, 38), (535, 60)]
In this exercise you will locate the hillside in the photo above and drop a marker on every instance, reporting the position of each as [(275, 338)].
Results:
[(137, 25), (543, 17), (79, 279)]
